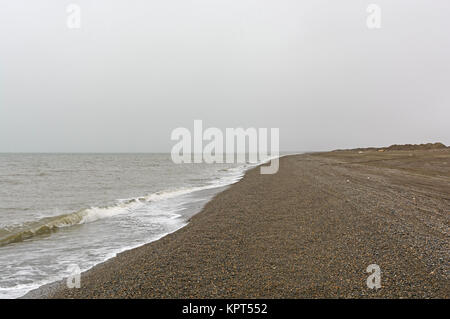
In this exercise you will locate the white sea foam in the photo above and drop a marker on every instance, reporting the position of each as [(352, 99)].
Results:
[(107, 231), (147, 217)]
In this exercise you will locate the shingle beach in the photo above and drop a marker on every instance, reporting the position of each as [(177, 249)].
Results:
[(309, 231)]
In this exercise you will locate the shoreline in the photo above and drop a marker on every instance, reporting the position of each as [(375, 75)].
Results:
[(48, 288), (191, 209), (309, 231)]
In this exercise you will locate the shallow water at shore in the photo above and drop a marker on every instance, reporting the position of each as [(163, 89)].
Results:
[(62, 210)]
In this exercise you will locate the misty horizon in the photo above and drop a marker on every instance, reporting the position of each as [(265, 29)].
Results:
[(133, 72)]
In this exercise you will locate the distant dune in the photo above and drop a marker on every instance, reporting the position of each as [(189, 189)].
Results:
[(403, 147)]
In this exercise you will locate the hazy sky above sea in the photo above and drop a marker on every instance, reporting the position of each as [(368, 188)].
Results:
[(137, 69)]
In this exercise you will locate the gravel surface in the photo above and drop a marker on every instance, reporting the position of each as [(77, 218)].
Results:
[(309, 231)]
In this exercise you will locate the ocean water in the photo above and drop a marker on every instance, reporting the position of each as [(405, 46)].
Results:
[(61, 210)]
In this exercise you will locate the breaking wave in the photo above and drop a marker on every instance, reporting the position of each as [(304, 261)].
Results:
[(48, 225)]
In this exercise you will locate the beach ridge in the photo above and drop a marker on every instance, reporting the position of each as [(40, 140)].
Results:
[(309, 231)]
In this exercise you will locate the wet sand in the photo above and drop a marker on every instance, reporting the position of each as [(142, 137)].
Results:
[(309, 231)]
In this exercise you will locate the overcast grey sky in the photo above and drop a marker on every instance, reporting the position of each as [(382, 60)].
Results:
[(137, 69)]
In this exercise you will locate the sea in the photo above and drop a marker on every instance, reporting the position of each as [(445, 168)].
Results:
[(60, 212)]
